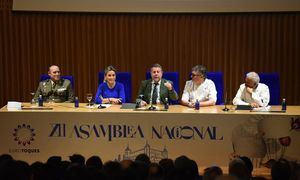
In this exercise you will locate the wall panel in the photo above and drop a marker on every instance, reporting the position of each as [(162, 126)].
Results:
[(84, 43)]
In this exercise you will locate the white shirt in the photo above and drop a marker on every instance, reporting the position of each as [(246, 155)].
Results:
[(260, 95), (203, 92)]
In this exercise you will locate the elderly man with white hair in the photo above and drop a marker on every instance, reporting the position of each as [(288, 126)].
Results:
[(252, 92)]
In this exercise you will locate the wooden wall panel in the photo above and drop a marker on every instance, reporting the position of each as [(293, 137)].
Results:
[(84, 43)]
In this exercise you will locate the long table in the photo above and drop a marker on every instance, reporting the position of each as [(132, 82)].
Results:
[(209, 135)]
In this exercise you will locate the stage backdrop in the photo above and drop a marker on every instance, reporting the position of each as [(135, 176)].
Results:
[(82, 44)]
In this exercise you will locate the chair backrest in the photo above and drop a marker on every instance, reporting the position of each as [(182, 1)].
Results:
[(70, 78), (122, 77), (273, 82), (172, 76), (217, 78)]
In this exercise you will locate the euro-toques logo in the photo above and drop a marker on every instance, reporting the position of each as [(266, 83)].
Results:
[(24, 134)]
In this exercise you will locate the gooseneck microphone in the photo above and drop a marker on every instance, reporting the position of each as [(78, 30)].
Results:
[(225, 103), (140, 99)]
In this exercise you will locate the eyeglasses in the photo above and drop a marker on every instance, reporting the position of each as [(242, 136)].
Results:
[(193, 75)]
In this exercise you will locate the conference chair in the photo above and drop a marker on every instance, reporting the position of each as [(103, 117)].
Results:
[(217, 78), (273, 82)]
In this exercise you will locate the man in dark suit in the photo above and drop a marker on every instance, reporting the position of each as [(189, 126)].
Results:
[(55, 89), (156, 90)]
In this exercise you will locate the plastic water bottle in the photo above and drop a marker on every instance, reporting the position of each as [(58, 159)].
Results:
[(76, 102), (166, 103), (40, 100), (283, 105), (197, 105)]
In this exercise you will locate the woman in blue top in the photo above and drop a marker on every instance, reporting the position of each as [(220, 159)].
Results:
[(110, 91)]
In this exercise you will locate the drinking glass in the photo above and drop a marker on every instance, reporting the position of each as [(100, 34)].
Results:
[(32, 98), (89, 97)]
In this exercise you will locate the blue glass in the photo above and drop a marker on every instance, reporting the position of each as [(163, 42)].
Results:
[(76, 102), (197, 105), (283, 105), (40, 100)]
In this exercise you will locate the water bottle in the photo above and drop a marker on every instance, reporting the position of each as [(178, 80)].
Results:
[(197, 105), (166, 103), (40, 100), (283, 105), (76, 102)]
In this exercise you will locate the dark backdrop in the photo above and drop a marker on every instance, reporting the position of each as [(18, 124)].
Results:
[(84, 43)]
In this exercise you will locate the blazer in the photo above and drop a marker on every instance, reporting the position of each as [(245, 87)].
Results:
[(62, 92), (145, 90)]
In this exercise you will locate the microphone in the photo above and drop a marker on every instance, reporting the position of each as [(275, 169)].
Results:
[(225, 103), (141, 96), (138, 102)]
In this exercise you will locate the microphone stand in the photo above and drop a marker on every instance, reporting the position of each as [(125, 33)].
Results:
[(225, 102), (152, 107)]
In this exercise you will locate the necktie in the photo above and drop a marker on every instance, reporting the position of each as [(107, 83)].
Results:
[(53, 85), (154, 93), (53, 88)]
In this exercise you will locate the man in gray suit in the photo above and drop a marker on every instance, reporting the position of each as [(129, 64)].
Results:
[(156, 90), (55, 89)]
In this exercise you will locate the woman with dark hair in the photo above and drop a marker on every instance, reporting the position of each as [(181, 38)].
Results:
[(110, 91)]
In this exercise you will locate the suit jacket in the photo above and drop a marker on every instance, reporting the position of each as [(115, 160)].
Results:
[(145, 90), (62, 92)]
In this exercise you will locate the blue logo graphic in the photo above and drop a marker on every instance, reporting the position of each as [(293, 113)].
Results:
[(24, 134)]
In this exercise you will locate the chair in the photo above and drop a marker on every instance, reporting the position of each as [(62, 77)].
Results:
[(70, 78), (217, 78), (272, 81), (122, 77), (172, 76)]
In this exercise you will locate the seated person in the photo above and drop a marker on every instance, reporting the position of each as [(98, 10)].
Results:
[(199, 88), (156, 89), (55, 89), (252, 92), (110, 91)]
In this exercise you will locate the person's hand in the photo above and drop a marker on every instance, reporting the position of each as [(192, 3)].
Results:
[(168, 85), (143, 103), (254, 105), (115, 100), (191, 104), (105, 100), (249, 90)]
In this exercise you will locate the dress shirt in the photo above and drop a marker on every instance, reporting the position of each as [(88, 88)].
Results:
[(203, 92), (157, 90), (260, 95)]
